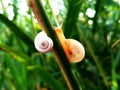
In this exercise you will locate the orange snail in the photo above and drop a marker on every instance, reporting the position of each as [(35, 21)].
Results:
[(73, 49)]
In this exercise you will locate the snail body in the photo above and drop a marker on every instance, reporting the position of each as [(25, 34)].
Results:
[(73, 49), (43, 43)]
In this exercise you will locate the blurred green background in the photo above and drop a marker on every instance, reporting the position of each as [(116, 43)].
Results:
[(95, 23)]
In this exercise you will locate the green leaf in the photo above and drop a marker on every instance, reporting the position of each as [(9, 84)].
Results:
[(17, 74), (18, 32), (43, 73)]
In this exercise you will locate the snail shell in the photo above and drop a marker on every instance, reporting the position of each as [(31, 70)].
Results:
[(76, 50), (73, 49), (43, 43)]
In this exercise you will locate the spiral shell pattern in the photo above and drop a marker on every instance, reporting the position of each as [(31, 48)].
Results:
[(43, 43)]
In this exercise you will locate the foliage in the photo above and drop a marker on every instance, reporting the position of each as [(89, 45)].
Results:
[(96, 23)]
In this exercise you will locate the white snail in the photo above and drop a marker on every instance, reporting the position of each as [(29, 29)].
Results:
[(73, 49), (43, 43)]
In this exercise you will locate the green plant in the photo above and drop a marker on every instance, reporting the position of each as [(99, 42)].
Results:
[(93, 22)]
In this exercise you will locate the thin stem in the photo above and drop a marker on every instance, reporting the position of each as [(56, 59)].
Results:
[(93, 56), (18, 32), (53, 13), (32, 26), (3, 6), (97, 9), (62, 60), (116, 42)]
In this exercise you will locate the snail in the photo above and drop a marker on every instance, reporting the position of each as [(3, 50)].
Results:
[(43, 43), (73, 49)]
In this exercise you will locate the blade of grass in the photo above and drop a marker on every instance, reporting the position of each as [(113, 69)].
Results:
[(58, 50), (73, 12), (16, 74), (115, 62), (18, 32), (3, 7), (43, 73), (101, 70)]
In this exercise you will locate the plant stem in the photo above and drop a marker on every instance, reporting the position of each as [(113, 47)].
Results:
[(58, 50), (18, 32), (93, 56), (3, 7)]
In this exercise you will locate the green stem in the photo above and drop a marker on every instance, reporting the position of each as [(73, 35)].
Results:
[(114, 62), (3, 7), (58, 50), (97, 9), (18, 32), (93, 56)]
